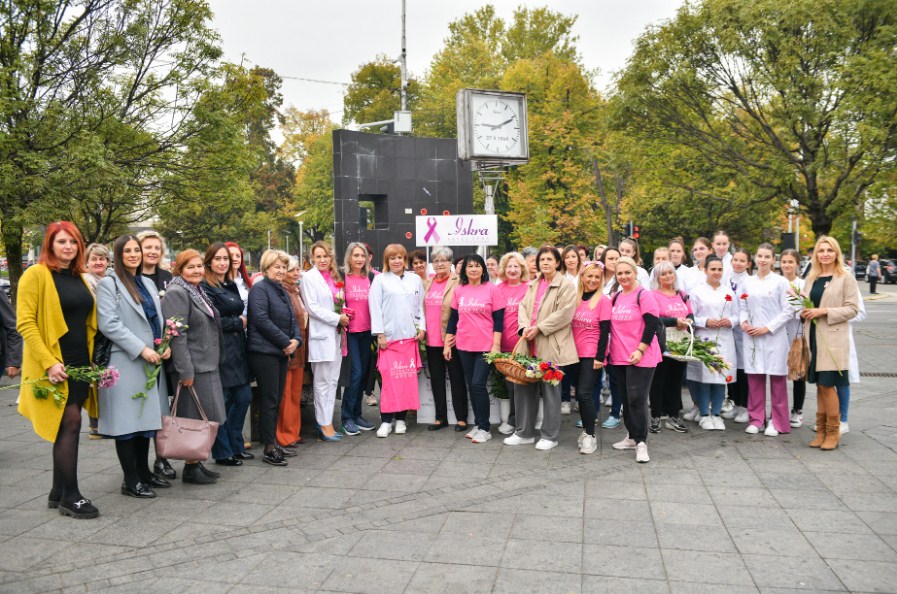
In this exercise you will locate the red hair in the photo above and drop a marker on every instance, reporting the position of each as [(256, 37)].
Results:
[(48, 258), (242, 268)]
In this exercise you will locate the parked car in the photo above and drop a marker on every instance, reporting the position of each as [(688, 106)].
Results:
[(860, 269), (888, 271)]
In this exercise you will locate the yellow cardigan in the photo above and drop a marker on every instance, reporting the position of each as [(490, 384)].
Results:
[(40, 321)]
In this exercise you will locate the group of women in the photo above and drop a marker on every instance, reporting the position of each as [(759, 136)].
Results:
[(214, 329)]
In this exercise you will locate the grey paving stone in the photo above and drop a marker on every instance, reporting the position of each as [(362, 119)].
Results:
[(429, 524), (478, 523), (563, 557), (676, 493), (865, 547), (611, 489), (18, 521), (547, 505), (626, 562), (370, 575), (548, 528), (621, 533), (742, 496), (685, 513), (439, 577), (743, 516), (618, 509), (466, 550), (383, 544), (807, 499), (815, 520), (619, 585), (306, 570), (760, 541), (706, 567), (870, 502), (695, 538), (703, 588), (791, 572), (319, 497), (515, 581)]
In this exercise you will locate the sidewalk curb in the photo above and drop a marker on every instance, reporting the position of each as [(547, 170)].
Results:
[(877, 297)]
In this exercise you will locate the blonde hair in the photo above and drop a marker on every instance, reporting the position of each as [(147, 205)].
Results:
[(271, 257), (347, 265), (334, 269), (593, 302), (503, 263), (816, 267)]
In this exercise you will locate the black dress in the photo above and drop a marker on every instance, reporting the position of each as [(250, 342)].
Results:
[(77, 303), (824, 378)]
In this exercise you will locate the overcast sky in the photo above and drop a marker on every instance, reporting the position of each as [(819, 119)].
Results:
[(328, 39)]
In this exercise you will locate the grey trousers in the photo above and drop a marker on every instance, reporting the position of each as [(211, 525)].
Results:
[(526, 404)]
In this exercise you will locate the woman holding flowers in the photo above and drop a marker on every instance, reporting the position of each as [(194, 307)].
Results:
[(790, 264), (834, 297), (129, 314), (764, 313), (324, 293), (513, 273), (630, 323), (544, 321), (56, 316), (196, 353), (716, 313), (738, 389)]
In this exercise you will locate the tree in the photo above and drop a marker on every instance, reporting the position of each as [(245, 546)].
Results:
[(794, 98), (375, 92), (94, 91), (310, 134)]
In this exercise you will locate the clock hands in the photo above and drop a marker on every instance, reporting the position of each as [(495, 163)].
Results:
[(497, 126)]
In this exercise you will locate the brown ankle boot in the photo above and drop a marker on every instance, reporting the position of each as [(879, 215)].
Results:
[(820, 431), (832, 433)]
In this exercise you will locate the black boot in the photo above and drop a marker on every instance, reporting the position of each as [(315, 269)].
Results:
[(164, 469), (208, 473), (193, 474)]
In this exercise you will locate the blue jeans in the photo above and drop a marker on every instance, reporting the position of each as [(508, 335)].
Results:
[(844, 401), (359, 360), (477, 372), (616, 399), (229, 440), (708, 397)]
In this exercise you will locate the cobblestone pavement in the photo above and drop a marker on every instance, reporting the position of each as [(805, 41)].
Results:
[(431, 512)]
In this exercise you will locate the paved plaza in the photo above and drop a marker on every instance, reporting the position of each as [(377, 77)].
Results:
[(431, 512)]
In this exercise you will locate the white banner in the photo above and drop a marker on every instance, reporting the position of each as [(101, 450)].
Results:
[(456, 230)]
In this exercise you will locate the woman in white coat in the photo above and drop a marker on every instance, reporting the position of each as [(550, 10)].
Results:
[(764, 313), (715, 316), (129, 314), (324, 296)]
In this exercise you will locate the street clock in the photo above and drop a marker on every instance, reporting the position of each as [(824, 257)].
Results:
[(492, 126)]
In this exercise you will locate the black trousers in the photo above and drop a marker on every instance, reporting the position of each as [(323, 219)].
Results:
[(666, 388), (738, 390), (635, 384), (270, 373), (438, 367), (587, 375)]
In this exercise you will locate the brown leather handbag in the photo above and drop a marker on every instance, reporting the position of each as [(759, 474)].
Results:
[(186, 439)]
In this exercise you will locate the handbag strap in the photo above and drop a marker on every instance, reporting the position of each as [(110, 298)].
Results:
[(174, 403)]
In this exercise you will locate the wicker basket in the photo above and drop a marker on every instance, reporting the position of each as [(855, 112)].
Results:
[(675, 335), (513, 371)]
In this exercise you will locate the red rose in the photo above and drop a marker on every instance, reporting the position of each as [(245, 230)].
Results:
[(728, 297), (544, 366), (340, 284), (744, 295), (728, 379)]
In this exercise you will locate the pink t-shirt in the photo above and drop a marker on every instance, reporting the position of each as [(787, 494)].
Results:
[(475, 305), (357, 290), (672, 306), (433, 312), (626, 326), (585, 327), (510, 297)]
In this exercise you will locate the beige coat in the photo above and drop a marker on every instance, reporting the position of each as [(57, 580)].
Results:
[(450, 287), (841, 300), (555, 339)]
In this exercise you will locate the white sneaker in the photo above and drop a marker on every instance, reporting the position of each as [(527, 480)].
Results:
[(728, 405), (625, 444), (718, 423), (384, 430), (482, 436), (565, 408), (517, 440), (589, 444), (844, 429), (610, 399), (506, 429), (692, 415), (797, 419), (729, 414), (401, 428), (582, 436), (752, 429), (742, 415), (545, 445), (472, 432), (706, 423), (641, 453), (538, 425), (770, 430)]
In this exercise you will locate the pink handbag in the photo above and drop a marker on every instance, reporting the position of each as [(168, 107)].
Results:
[(186, 439)]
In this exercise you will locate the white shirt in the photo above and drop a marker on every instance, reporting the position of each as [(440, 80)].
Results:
[(766, 305), (709, 303), (397, 306)]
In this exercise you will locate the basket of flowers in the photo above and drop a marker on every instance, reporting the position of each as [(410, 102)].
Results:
[(524, 369), (699, 349)]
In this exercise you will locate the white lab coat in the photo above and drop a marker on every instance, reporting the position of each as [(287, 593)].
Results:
[(767, 305), (322, 319), (644, 279), (736, 283), (397, 305), (707, 303), (682, 274)]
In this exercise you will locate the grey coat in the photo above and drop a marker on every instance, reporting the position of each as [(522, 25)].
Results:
[(123, 321), (196, 353)]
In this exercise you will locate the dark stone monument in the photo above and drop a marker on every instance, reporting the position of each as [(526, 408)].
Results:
[(381, 182)]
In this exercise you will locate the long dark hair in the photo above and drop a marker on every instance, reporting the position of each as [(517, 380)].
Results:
[(209, 276), (479, 260), (118, 265)]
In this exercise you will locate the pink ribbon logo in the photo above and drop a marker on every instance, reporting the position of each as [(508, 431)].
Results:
[(431, 231)]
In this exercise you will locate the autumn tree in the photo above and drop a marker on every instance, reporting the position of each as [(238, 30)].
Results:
[(375, 92), (793, 98)]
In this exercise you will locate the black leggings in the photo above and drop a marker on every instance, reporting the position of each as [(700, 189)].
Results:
[(588, 375), (800, 393), (738, 390), (65, 448), (438, 367), (666, 388), (133, 456)]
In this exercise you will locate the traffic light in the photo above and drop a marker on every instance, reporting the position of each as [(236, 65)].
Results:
[(857, 237), (635, 231)]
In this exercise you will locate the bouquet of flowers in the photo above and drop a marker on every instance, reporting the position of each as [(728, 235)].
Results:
[(43, 388), (339, 303), (703, 349), (173, 327), (800, 300), (522, 369)]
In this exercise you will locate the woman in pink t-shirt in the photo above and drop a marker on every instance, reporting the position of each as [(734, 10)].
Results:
[(358, 288), (631, 324), (514, 274), (586, 331), (438, 291), (675, 312), (474, 327)]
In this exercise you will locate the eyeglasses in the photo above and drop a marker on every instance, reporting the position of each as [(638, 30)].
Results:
[(440, 261)]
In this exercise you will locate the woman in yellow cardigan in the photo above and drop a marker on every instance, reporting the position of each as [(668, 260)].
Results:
[(57, 318)]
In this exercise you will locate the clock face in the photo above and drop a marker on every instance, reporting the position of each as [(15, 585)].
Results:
[(496, 125)]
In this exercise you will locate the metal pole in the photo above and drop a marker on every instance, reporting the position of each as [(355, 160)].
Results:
[(301, 255), (489, 200), (288, 243), (269, 239), (796, 205), (403, 64)]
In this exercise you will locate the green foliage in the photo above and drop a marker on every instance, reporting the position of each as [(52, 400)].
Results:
[(375, 92)]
